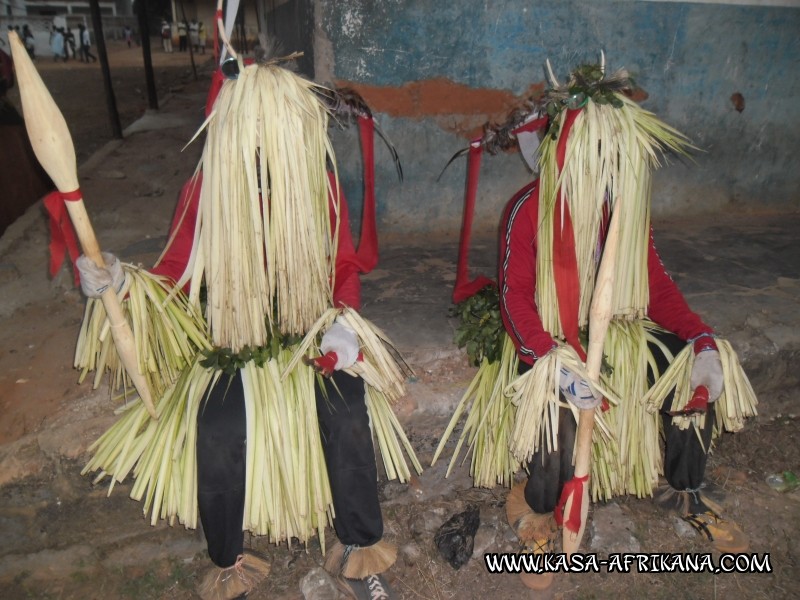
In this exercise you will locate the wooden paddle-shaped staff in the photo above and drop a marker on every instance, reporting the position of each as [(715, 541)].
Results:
[(52, 144), (599, 318)]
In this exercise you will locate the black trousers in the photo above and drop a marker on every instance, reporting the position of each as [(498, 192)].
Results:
[(684, 456), (347, 446), (350, 457)]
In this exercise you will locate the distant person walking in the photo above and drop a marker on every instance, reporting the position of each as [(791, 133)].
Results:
[(182, 38), (128, 35), (57, 44), (86, 45), (194, 35), (166, 36), (69, 44)]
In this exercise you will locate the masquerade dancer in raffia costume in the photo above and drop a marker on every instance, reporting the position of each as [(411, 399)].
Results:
[(661, 363), (281, 444)]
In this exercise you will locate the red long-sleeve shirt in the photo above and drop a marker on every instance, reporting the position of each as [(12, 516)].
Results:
[(517, 282), (347, 285)]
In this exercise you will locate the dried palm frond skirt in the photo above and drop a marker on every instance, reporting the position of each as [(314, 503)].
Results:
[(509, 416), (290, 497)]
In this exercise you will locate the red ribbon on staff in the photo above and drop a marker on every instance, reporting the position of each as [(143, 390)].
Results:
[(62, 235), (574, 488)]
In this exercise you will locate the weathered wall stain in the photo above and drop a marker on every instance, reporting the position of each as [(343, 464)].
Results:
[(738, 101), (455, 107)]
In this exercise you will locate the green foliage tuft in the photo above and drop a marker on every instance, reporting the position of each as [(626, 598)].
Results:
[(481, 328)]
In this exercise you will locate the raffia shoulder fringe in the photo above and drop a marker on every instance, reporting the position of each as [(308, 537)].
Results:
[(167, 329), (354, 562), (737, 402), (528, 525), (536, 396), (384, 371)]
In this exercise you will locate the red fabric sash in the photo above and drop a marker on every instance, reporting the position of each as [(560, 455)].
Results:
[(217, 16), (62, 235), (574, 488), (464, 288), (565, 264), (367, 253)]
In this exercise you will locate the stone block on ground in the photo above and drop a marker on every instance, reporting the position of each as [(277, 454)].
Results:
[(612, 530), (318, 585)]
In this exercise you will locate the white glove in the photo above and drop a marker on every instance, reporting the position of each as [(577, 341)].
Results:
[(343, 341), (576, 390), (707, 371), (94, 280)]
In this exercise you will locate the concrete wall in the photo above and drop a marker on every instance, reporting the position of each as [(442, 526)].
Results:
[(435, 71), (291, 24)]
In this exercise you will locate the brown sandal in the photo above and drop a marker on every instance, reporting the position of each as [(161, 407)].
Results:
[(536, 534), (726, 536)]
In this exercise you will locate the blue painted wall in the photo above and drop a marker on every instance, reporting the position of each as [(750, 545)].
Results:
[(689, 57)]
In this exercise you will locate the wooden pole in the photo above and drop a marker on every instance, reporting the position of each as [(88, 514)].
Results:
[(599, 318), (52, 144)]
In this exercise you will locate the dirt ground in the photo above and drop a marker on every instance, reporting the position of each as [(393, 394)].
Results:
[(63, 538)]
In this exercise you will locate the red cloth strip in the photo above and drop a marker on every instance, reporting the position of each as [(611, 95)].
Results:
[(464, 288), (573, 488), (699, 401), (62, 236), (704, 342), (367, 252), (565, 263), (531, 126), (73, 196), (217, 17), (217, 79)]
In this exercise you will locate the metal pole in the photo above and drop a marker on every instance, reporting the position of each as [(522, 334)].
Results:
[(144, 33), (111, 101), (188, 33)]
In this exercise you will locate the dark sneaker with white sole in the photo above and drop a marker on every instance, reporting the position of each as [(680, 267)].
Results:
[(373, 587)]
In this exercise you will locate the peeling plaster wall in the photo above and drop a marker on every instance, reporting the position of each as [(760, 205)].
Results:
[(433, 72)]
